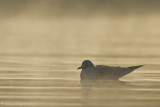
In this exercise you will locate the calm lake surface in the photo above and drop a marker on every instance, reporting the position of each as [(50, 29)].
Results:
[(42, 43), (53, 80)]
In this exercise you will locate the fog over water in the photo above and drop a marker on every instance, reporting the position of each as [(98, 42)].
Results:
[(42, 42), (27, 25)]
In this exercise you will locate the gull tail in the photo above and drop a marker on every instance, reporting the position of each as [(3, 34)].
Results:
[(129, 70), (135, 67)]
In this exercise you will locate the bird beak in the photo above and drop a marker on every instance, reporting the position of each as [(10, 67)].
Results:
[(79, 67)]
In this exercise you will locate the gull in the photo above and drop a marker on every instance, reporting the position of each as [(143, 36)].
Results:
[(103, 72)]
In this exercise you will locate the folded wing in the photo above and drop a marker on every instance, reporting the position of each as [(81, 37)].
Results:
[(113, 73)]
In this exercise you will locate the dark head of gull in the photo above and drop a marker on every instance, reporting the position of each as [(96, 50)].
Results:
[(86, 64)]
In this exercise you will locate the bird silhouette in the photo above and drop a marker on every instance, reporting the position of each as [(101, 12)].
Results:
[(103, 72)]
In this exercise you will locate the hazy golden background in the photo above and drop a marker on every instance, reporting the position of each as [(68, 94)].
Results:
[(42, 42), (92, 27)]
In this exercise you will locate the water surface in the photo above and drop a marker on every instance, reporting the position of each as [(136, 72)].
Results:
[(43, 42), (37, 81)]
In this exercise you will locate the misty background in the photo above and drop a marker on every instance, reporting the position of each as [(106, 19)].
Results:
[(43, 42), (80, 27)]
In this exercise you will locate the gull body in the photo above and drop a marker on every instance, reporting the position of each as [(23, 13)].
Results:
[(103, 72)]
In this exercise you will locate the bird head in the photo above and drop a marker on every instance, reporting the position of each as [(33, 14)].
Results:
[(86, 64)]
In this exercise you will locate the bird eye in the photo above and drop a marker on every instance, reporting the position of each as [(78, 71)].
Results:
[(87, 65)]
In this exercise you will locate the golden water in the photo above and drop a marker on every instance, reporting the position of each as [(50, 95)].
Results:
[(39, 56), (37, 81)]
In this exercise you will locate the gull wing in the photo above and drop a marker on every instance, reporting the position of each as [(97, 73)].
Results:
[(113, 73)]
